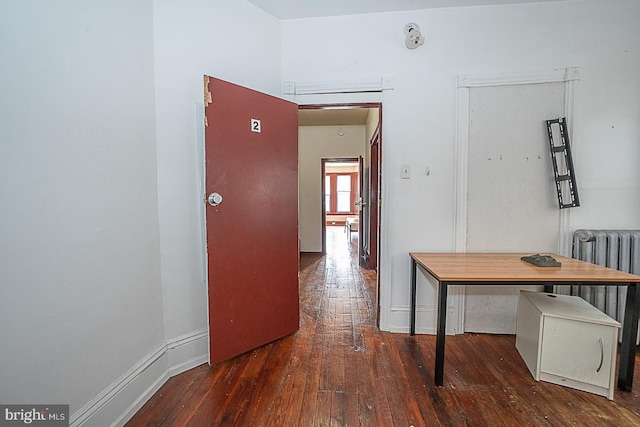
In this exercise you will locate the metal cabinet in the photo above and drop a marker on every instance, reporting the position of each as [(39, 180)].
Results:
[(565, 340)]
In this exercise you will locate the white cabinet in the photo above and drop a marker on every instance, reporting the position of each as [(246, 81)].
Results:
[(565, 340)]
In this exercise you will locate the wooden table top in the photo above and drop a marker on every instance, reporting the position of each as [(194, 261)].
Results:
[(508, 267)]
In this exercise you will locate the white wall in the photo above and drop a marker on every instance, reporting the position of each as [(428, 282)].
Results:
[(316, 143), (192, 39), (102, 260), (419, 115), (80, 295)]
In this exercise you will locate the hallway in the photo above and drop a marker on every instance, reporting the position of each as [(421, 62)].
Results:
[(337, 296)]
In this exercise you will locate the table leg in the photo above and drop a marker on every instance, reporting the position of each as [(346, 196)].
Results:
[(629, 336), (412, 324), (442, 322)]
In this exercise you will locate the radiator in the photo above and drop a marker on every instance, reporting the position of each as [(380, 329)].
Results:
[(617, 249)]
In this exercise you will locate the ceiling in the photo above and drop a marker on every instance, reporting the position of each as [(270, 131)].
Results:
[(333, 117), (295, 9)]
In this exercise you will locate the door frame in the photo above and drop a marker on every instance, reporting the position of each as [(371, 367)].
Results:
[(377, 133), (570, 77)]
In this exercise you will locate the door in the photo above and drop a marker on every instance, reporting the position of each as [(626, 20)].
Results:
[(374, 200), (251, 161), (361, 205)]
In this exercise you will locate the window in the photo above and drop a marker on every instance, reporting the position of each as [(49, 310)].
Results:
[(341, 193)]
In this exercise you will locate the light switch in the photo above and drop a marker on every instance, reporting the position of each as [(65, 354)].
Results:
[(405, 171)]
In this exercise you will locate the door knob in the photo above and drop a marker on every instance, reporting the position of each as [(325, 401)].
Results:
[(214, 199)]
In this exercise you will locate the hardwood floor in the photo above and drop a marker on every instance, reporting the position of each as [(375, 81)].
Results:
[(340, 370)]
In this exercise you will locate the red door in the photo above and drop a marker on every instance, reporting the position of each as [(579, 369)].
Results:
[(374, 200), (251, 152), (360, 203)]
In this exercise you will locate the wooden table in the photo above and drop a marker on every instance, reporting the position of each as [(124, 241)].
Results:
[(476, 269)]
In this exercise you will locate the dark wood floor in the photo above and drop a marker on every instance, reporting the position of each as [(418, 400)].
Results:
[(340, 370)]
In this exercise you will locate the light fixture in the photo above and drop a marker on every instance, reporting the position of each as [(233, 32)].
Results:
[(340, 132), (413, 36)]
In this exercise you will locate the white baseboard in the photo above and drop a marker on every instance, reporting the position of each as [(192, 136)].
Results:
[(140, 401), (113, 406), (188, 351)]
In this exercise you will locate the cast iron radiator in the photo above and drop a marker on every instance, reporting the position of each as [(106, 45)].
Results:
[(617, 249)]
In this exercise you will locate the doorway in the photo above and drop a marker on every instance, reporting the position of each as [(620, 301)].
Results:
[(342, 202), (524, 185), (324, 137)]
